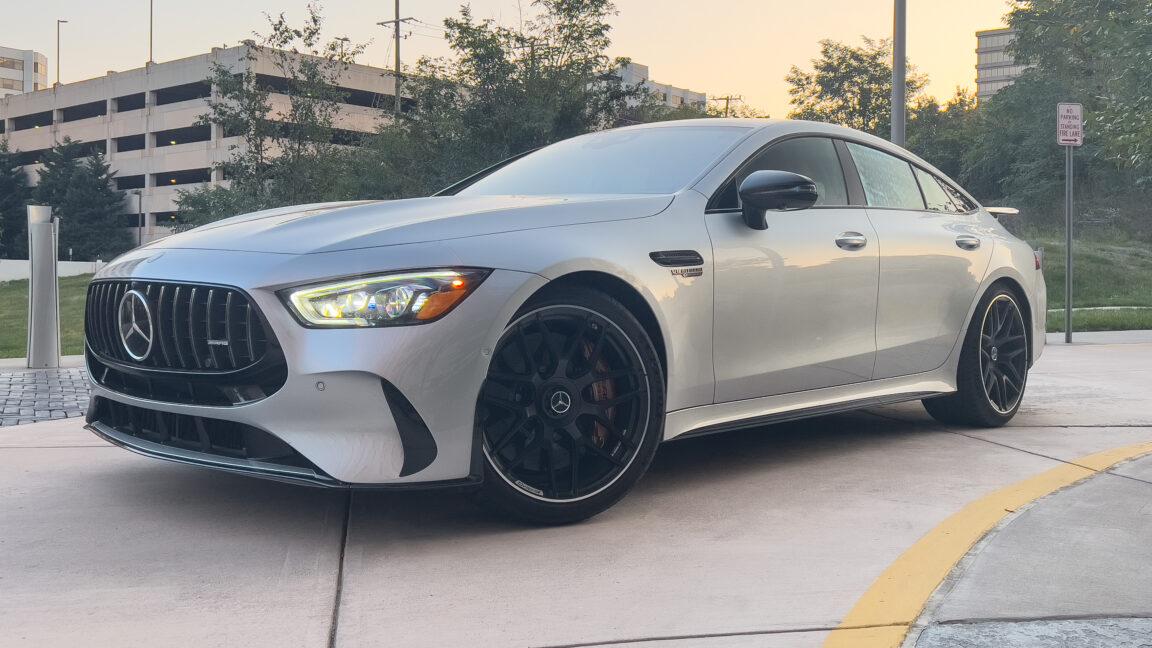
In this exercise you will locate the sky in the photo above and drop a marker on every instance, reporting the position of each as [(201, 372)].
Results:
[(721, 47)]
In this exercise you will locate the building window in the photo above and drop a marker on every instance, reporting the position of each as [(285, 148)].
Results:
[(30, 157), (183, 135), (130, 182), (11, 63), (39, 68), (11, 84), (186, 92), (35, 120), (84, 111), (130, 102), (188, 176), (129, 143)]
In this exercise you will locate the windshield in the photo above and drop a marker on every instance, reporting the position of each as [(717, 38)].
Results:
[(635, 161)]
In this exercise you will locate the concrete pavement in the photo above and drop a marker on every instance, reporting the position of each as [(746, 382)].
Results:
[(764, 537)]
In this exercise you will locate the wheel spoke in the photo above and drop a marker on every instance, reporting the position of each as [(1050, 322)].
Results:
[(549, 345), (513, 431), (623, 398), (614, 431), (574, 456), (522, 344), (549, 451), (601, 452)]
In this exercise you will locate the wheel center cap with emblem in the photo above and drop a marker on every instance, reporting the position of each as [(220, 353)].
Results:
[(559, 403), (995, 354), (134, 319)]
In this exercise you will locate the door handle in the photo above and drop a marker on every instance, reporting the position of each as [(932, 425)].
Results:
[(851, 240), (967, 242)]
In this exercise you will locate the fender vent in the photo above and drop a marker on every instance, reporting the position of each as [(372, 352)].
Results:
[(675, 258)]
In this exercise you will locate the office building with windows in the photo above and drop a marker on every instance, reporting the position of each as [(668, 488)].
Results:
[(995, 67), (22, 71), (635, 73), (143, 121)]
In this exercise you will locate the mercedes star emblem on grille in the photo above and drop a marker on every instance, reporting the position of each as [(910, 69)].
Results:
[(135, 320)]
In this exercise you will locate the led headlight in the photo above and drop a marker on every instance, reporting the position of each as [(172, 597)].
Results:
[(384, 300)]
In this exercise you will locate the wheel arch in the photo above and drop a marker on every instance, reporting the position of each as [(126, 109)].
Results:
[(622, 292)]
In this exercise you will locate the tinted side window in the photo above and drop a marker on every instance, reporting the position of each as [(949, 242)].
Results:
[(813, 157), (962, 202), (887, 180), (934, 194)]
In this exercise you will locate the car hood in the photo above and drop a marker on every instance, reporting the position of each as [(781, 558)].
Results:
[(331, 227)]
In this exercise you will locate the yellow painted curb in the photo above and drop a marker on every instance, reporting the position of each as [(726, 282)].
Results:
[(894, 601)]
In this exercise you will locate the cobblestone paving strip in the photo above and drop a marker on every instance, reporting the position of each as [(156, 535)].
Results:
[(42, 395)]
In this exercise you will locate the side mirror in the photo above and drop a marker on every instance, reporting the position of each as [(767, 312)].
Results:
[(777, 191)]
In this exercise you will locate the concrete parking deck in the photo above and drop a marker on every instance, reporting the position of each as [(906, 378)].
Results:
[(766, 537)]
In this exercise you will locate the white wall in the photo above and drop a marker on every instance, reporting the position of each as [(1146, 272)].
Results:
[(12, 269)]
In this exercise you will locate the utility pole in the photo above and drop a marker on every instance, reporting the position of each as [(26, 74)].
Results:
[(150, 30), (396, 22), (899, 71), (727, 100), (58, 21)]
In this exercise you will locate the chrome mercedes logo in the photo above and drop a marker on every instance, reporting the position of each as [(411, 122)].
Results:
[(560, 402), (135, 322)]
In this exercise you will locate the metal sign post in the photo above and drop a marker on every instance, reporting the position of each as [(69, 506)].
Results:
[(1069, 133)]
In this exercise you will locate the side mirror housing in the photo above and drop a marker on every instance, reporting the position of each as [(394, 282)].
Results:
[(762, 191)]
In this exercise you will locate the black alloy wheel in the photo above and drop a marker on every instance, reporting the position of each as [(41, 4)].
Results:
[(993, 367), (1003, 354), (572, 409)]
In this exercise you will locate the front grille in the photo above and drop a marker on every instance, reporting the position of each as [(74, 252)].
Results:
[(209, 345), (213, 437), (194, 327)]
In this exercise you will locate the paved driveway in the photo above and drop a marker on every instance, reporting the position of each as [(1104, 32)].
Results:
[(765, 537)]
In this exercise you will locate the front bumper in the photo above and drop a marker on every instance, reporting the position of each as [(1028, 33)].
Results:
[(351, 395)]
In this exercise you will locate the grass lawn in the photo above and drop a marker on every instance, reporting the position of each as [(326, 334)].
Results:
[(1104, 274), (1107, 273), (14, 321)]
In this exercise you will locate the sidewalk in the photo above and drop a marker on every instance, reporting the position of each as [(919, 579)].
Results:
[(35, 395)]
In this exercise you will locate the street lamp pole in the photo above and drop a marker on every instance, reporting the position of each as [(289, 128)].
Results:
[(899, 71), (58, 21), (150, 30)]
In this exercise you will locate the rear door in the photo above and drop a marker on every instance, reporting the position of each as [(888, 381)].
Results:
[(933, 257)]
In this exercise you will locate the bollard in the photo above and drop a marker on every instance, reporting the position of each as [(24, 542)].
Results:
[(43, 289)]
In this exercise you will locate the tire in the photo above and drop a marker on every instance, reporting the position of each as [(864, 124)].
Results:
[(993, 369), (571, 411)]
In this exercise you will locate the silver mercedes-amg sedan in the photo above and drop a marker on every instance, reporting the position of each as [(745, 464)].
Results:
[(536, 330)]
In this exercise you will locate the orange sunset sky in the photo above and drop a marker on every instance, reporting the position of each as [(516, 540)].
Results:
[(717, 46)]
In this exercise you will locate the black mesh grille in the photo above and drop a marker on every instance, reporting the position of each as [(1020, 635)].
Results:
[(210, 345), (195, 327)]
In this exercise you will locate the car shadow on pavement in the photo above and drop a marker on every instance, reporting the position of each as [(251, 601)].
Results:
[(693, 472), (698, 471)]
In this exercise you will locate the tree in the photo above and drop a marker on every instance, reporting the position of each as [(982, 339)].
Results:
[(80, 193), (942, 134), (850, 86), (1099, 51), (506, 91), (14, 195), (287, 154)]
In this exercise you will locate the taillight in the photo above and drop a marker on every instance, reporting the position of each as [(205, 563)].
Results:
[(1037, 255)]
